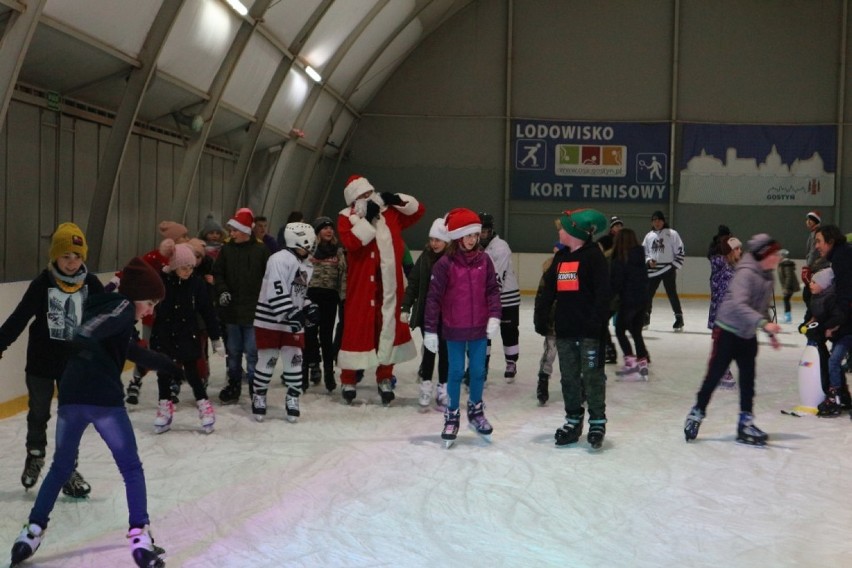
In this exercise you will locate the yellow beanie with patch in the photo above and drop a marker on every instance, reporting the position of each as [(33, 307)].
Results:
[(68, 238)]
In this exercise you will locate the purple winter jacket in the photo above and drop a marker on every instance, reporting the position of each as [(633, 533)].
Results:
[(463, 294)]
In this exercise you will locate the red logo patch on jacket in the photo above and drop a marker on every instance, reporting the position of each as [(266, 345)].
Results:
[(567, 278)]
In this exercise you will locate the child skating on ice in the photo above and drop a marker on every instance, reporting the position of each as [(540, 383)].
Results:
[(54, 303), (578, 282), (464, 299), (282, 313), (91, 392), (176, 333), (744, 311), (414, 308)]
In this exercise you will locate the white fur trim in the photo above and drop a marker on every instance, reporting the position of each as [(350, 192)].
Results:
[(238, 226), (464, 231), (362, 229), (411, 205), (355, 188)]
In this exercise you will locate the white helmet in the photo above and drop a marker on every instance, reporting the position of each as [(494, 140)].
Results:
[(300, 235)]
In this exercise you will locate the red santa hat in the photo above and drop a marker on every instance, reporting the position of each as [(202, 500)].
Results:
[(355, 186), (462, 222), (243, 220)]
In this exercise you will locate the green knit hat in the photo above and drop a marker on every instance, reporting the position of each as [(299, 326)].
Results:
[(584, 224)]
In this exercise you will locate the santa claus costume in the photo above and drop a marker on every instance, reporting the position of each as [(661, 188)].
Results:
[(370, 229)]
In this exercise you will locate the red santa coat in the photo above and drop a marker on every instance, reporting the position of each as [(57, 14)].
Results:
[(372, 332)]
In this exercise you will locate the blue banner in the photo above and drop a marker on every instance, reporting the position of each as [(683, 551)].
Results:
[(758, 165), (590, 161)]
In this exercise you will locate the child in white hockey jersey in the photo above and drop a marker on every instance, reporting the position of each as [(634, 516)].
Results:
[(282, 313)]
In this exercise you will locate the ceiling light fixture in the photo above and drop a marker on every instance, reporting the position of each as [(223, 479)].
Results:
[(238, 7), (312, 73)]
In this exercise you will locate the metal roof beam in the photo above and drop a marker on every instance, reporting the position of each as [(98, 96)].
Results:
[(13, 48)]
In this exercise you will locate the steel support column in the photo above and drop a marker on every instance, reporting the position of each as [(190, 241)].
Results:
[(13, 48)]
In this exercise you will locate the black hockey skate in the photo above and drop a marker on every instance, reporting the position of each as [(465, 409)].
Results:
[(258, 405), (231, 393), (133, 390), (291, 404), (597, 431), (831, 406), (541, 391), (570, 432), (748, 433), (27, 543), (348, 392), (32, 468), (611, 356), (678, 323), (477, 421), (76, 486), (328, 379), (692, 424), (314, 373), (386, 391)]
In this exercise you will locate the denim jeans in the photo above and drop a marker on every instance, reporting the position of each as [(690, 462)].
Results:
[(835, 360), (113, 425), (239, 342), (456, 355)]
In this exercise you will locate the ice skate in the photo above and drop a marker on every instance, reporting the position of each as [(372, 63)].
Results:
[(728, 382), (231, 393), (133, 389), (442, 399), (831, 406), (692, 424), (678, 323), (174, 388), (314, 373), (348, 393), (163, 421), (425, 397), (511, 371), (748, 433), (788, 317), (76, 486), (451, 427), (386, 391), (145, 553), (32, 468), (597, 431), (328, 379), (642, 363), (27, 543), (291, 403), (206, 415), (258, 406), (630, 370), (542, 390), (570, 432), (477, 421)]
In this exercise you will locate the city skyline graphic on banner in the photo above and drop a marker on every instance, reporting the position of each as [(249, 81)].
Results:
[(773, 165)]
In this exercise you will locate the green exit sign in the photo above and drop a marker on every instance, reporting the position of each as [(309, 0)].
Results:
[(53, 100)]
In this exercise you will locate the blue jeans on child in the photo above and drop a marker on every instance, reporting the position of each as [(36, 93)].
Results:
[(240, 341), (113, 425), (835, 360)]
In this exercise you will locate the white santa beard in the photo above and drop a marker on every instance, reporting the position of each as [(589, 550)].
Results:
[(360, 205)]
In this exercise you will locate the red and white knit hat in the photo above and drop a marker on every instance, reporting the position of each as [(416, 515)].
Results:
[(243, 220), (462, 222), (355, 186)]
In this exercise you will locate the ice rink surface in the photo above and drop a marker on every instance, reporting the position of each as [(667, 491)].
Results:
[(368, 486)]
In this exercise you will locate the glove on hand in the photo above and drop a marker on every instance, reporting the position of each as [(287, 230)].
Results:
[(218, 347), (430, 341), (391, 198), (312, 315), (372, 211), (224, 299), (405, 317), (493, 327)]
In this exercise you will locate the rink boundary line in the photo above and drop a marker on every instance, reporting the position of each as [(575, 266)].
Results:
[(13, 407), (797, 299)]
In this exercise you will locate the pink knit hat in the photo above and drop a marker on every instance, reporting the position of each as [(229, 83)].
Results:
[(182, 256)]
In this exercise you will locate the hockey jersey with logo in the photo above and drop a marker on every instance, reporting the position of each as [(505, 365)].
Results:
[(283, 292)]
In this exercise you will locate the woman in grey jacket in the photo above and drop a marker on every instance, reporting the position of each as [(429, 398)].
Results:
[(744, 310)]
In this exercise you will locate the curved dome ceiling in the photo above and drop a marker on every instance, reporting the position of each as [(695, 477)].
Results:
[(221, 66)]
